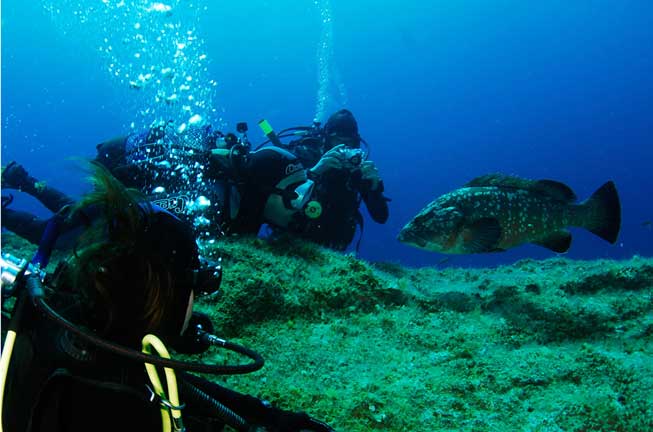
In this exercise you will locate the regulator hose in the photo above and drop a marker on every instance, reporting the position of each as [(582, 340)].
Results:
[(225, 414), (256, 364)]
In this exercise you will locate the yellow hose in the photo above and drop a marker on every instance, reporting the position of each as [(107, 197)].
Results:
[(4, 367), (173, 408)]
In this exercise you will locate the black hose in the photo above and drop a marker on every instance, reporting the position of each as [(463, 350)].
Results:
[(225, 414), (285, 133), (296, 128), (155, 360)]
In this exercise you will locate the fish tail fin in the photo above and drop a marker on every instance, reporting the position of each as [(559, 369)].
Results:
[(604, 212)]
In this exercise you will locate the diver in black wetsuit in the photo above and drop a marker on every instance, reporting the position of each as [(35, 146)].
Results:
[(27, 225), (168, 166), (343, 178), (136, 271), (210, 180)]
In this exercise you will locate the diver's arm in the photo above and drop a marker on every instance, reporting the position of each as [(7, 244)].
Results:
[(256, 411), (377, 204), (368, 182), (24, 224), (15, 176), (53, 199)]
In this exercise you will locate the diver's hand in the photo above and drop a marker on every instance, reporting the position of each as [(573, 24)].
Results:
[(340, 157), (331, 160), (370, 175)]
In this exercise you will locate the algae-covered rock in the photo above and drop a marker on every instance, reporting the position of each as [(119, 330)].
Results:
[(541, 345), (617, 277), (551, 345), (266, 281)]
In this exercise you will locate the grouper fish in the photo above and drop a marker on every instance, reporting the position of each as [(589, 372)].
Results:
[(496, 212)]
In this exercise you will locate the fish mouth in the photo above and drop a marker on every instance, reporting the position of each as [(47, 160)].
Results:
[(409, 237)]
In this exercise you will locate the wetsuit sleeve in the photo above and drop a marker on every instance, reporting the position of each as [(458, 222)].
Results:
[(27, 225), (377, 204), (255, 411), (18, 178), (24, 224), (31, 227), (53, 199)]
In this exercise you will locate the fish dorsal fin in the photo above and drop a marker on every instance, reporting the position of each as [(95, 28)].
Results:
[(500, 180), (551, 188), (482, 235), (556, 190)]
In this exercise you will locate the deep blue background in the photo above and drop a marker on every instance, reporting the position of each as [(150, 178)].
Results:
[(443, 93)]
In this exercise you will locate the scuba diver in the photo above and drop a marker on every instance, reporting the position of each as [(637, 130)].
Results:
[(272, 188), (71, 359), (171, 166), (343, 178), (211, 180), (235, 190), (27, 225), (167, 164)]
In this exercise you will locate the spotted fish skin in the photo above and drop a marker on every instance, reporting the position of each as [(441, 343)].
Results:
[(495, 213)]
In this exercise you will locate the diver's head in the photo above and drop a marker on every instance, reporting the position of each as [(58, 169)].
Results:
[(341, 128), (136, 267)]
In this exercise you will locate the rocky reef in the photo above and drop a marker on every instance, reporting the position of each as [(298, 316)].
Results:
[(554, 345), (540, 345)]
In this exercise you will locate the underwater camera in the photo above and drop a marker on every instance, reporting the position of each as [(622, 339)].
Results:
[(241, 127)]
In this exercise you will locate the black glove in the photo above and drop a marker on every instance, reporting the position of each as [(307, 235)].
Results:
[(289, 421), (189, 342)]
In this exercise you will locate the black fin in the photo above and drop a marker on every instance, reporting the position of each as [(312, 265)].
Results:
[(484, 235), (555, 189), (558, 242), (551, 188), (497, 179), (604, 209)]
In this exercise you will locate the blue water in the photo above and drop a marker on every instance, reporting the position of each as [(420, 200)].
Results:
[(443, 93)]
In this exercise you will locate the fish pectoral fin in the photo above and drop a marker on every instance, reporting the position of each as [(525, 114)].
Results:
[(482, 235), (558, 242)]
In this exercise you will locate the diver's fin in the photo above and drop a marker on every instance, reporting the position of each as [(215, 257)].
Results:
[(558, 242), (482, 236), (604, 210)]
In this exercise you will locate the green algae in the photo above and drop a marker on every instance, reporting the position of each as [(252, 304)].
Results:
[(540, 345), (553, 345)]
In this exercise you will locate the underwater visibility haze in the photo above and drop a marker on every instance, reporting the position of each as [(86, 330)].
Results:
[(443, 92), (499, 333)]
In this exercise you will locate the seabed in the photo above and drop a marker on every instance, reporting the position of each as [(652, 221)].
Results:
[(553, 345)]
